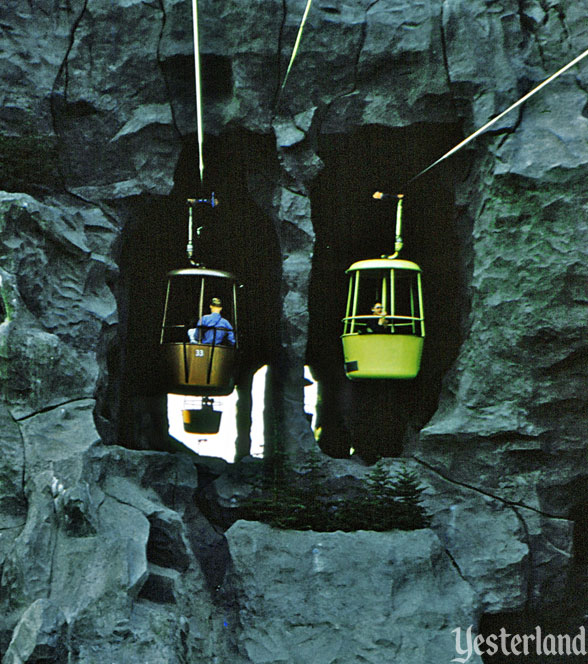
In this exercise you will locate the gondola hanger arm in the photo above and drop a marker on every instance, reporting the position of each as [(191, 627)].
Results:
[(398, 244), (193, 203)]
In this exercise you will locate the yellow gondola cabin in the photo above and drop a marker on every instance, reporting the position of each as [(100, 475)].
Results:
[(387, 343)]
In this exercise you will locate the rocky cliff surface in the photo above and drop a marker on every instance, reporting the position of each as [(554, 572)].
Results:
[(102, 549)]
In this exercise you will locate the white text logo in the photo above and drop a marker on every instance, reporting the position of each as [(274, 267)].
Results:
[(517, 644)]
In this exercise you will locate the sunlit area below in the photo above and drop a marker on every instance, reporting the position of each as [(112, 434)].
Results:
[(222, 444)]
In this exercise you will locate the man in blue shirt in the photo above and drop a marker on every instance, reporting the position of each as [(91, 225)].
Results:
[(213, 328)]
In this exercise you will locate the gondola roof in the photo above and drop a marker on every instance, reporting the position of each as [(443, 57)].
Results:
[(383, 263), (201, 272)]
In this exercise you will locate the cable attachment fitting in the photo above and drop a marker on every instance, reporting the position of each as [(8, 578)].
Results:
[(212, 201)]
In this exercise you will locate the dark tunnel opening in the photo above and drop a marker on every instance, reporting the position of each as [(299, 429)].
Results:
[(375, 417), (236, 237)]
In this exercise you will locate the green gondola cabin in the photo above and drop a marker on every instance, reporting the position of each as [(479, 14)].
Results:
[(387, 343)]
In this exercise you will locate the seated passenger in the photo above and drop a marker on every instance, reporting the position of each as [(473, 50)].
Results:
[(377, 325), (212, 328)]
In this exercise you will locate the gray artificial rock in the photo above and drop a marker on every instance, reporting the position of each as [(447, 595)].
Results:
[(113, 538), (486, 538), (104, 93), (545, 145), (287, 133), (56, 260), (116, 142), (346, 597), (40, 635), (289, 209), (13, 506), (523, 397), (31, 59)]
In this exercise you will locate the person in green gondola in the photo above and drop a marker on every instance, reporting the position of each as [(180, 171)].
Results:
[(377, 325), (213, 328)]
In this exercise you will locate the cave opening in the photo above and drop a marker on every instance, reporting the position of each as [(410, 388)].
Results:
[(374, 418), (236, 236)]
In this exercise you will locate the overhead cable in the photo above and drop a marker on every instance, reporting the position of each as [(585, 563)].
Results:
[(501, 115), (295, 48), (198, 89)]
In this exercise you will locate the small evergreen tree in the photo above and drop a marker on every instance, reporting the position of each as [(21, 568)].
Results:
[(298, 501), (408, 495)]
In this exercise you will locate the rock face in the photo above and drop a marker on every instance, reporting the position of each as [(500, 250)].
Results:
[(59, 310), (102, 550), (367, 597), (108, 559)]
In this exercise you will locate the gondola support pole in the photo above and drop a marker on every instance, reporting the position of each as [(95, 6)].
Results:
[(192, 203), (398, 244)]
